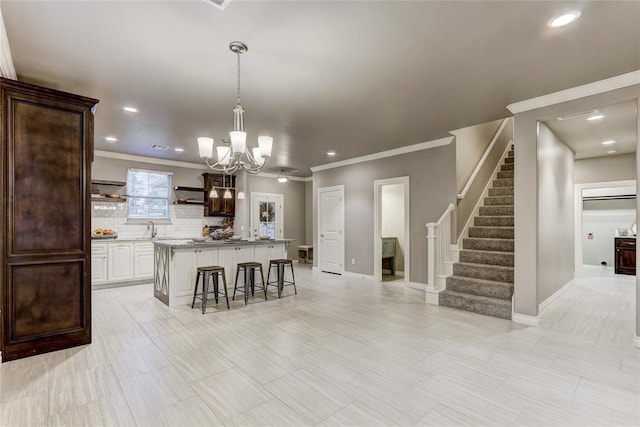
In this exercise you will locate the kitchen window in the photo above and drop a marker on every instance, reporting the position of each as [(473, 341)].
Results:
[(148, 194)]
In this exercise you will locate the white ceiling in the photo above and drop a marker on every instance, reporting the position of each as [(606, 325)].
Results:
[(355, 77)]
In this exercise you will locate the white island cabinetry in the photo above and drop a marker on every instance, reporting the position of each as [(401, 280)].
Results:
[(176, 265)]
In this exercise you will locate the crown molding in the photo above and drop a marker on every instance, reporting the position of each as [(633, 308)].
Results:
[(6, 61), (594, 88), (384, 154), (154, 160)]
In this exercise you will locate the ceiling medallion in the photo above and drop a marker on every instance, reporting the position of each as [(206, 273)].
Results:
[(235, 156)]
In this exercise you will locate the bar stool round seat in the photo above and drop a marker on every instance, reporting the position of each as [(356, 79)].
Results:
[(214, 272), (280, 281), (249, 269)]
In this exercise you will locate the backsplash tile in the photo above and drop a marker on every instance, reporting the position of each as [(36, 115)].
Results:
[(186, 221)]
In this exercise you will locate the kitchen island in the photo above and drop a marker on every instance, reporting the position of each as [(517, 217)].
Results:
[(176, 263)]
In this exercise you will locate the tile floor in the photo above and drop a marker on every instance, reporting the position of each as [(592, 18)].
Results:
[(343, 352)]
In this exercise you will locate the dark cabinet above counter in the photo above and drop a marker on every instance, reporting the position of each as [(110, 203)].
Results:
[(215, 187)]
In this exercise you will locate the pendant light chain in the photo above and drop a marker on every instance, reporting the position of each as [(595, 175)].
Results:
[(238, 94)]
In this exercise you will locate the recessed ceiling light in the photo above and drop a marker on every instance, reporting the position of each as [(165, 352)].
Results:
[(608, 142), (611, 151), (596, 117), (179, 150), (130, 109), (331, 153), (111, 138), (565, 19)]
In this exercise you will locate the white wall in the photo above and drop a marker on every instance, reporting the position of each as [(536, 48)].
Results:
[(392, 218), (556, 250), (602, 219), (605, 169)]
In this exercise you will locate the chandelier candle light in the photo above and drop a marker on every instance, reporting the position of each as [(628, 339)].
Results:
[(237, 155)]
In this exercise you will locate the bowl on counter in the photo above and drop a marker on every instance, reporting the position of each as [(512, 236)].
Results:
[(264, 237), (235, 238), (199, 239)]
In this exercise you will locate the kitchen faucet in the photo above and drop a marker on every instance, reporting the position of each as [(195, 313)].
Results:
[(154, 232)]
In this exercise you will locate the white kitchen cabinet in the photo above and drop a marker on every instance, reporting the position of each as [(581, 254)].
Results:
[(265, 253), (120, 263), (99, 263), (143, 260), (185, 264)]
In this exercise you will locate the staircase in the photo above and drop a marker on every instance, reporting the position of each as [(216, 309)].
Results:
[(482, 282)]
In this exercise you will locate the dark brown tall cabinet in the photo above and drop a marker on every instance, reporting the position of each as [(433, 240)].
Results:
[(46, 146), (219, 183)]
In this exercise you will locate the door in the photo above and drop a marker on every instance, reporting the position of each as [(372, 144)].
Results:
[(330, 228), (267, 215)]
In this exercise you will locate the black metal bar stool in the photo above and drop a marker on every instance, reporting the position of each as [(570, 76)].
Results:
[(280, 264), (249, 269), (213, 271)]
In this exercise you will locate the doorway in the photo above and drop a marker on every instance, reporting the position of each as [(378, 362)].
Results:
[(267, 215), (330, 229), (391, 230)]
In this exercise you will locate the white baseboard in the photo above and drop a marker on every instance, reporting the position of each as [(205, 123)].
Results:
[(416, 285), (361, 276), (555, 295), (636, 341), (432, 296), (525, 319)]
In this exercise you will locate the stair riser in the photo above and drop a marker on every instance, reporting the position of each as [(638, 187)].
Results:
[(499, 245), (505, 175), (495, 221), (511, 153), (496, 210), (491, 232), (498, 201), (446, 300), (501, 191), (480, 289), (507, 182), (509, 159), (481, 271), (485, 257), (506, 167)]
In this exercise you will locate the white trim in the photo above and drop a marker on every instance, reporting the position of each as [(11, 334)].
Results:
[(577, 203), (318, 253), (525, 319), (485, 193), (352, 275), (636, 341), (181, 164), (377, 224), (7, 69), (416, 285), (384, 154), (472, 178), (555, 295), (589, 89), (432, 296), (254, 197)]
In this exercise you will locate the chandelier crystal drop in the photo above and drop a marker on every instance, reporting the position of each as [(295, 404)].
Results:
[(234, 154)]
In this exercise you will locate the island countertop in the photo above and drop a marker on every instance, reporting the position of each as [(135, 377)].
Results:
[(190, 244)]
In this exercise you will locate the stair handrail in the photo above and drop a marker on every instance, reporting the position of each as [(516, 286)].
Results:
[(439, 248), (475, 172)]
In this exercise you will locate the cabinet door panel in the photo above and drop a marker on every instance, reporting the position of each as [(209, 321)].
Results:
[(143, 265), (98, 268), (185, 264), (120, 262)]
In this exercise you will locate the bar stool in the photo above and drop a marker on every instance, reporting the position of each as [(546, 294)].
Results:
[(213, 271), (249, 269), (281, 283)]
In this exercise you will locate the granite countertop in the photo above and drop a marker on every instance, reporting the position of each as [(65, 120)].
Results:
[(217, 243)]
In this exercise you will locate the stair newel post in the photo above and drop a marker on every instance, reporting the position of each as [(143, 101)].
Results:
[(439, 253), (431, 258)]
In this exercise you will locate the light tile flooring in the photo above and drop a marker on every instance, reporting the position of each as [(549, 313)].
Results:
[(343, 352)]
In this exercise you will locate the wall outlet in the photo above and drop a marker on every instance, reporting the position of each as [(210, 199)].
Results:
[(242, 228), (353, 261)]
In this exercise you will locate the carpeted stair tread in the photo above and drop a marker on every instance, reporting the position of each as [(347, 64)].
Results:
[(506, 167), (492, 232), (509, 159), (501, 191), (498, 201), (505, 182), (506, 174), (477, 304), (496, 210), (486, 257), (482, 244), (480, 287), (499, 273), (496, 221)]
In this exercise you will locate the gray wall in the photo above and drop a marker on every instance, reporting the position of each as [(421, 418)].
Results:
[(308, 210), (471, 143), (526, 191), (556, 247), (468, 203), (604, 169), (116, 170), (294, 206), (433, 186)]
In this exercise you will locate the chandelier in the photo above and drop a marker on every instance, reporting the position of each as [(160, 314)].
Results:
[(236, 155)]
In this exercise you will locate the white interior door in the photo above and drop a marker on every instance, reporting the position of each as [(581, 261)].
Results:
[(330, 228), (267, 215)]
